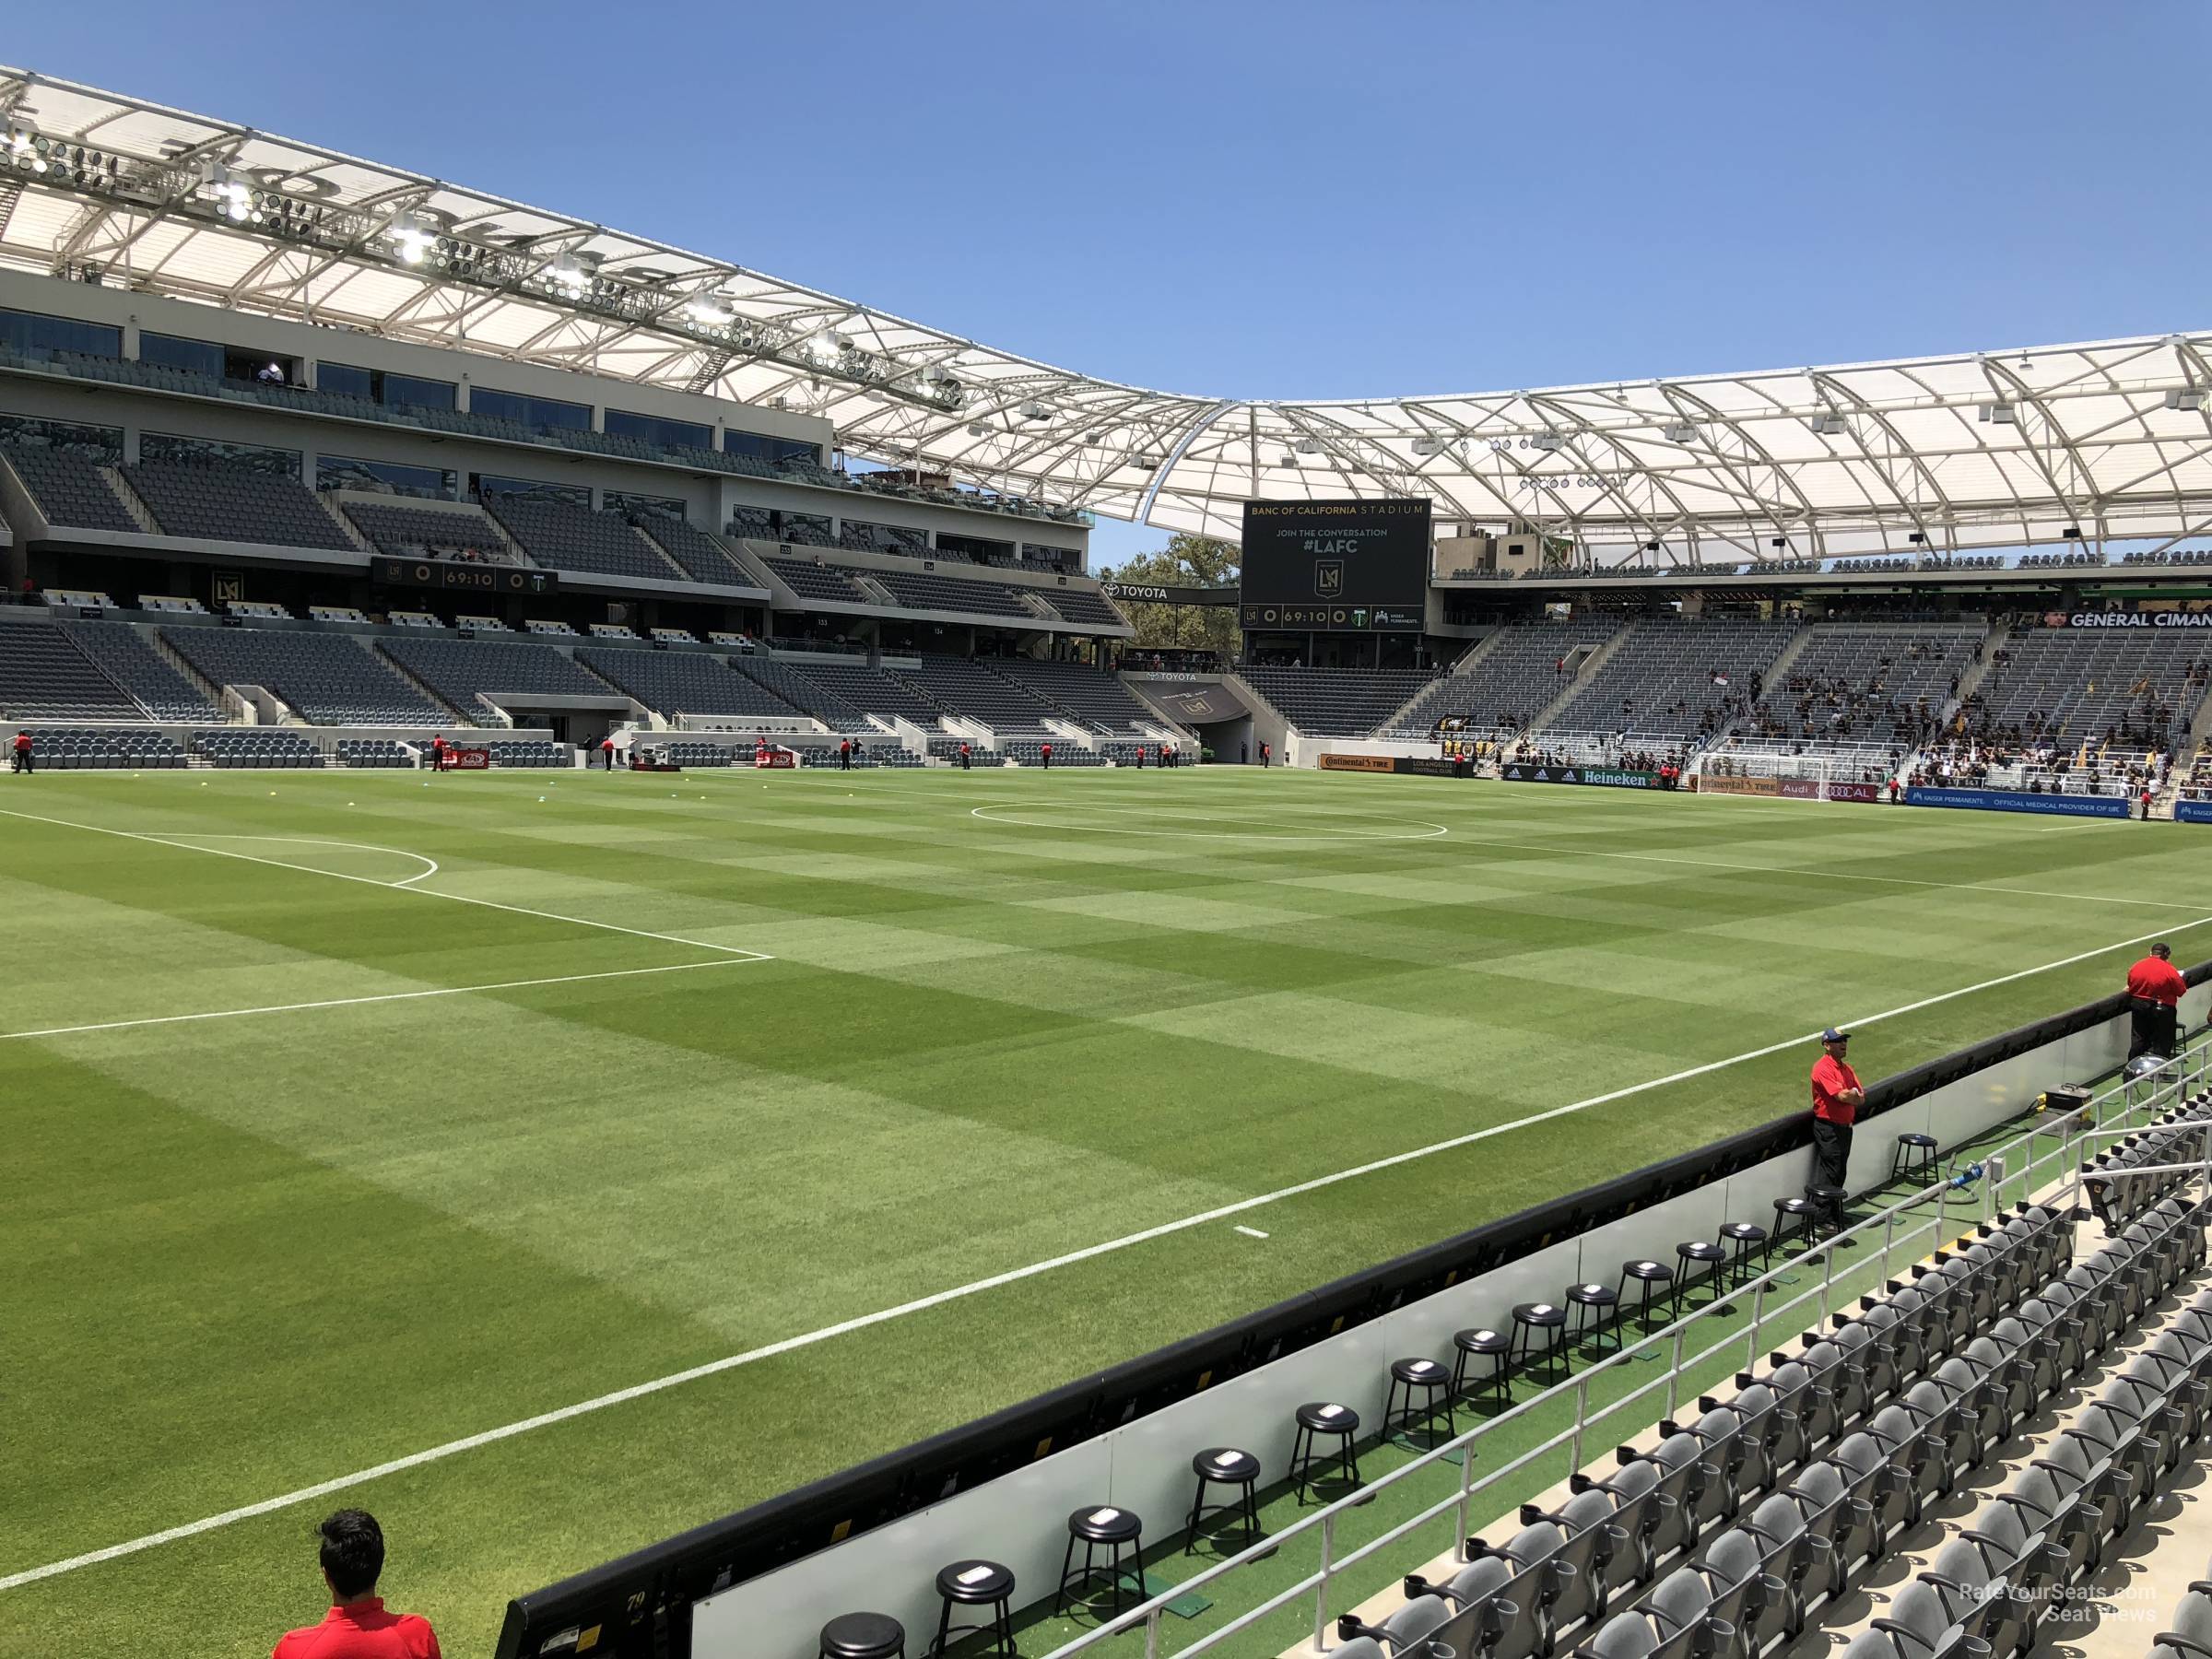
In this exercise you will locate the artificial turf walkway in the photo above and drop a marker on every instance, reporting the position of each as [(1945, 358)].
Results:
[(255, 1253)]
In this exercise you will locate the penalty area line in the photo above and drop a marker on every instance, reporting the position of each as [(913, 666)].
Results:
[(386, 996), (1013, 1275), (393, 887)]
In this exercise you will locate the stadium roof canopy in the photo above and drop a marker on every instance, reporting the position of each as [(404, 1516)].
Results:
[(2113, 438)]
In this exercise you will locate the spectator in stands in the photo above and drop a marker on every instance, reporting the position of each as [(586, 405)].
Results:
[(606, 753), (30, 590), (1837, 1098), (19, 760), (2154, 998), (357, 1627), (272, 374)]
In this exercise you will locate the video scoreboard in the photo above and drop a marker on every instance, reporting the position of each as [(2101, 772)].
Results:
[(1350, 566)]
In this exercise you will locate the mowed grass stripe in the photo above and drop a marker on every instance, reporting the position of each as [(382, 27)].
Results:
[(965, 1059)]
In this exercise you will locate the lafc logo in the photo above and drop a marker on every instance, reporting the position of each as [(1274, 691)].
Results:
[(1328, 577)]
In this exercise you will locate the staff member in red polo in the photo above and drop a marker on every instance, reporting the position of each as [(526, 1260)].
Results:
[(1837, 1098), (1045, 749), (2154, 1001), (357, 1627), (437, 752), (23, 752)]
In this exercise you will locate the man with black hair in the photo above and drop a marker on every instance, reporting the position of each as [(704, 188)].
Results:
[(357, 1627), (20, 755)]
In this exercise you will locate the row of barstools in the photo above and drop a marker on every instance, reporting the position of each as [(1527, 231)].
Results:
[(1323, 1448)]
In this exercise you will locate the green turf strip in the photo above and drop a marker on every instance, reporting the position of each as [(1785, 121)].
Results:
[(261, 1252)]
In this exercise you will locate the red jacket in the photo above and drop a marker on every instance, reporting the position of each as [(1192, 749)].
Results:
[(362, 1631), (2157, 982)]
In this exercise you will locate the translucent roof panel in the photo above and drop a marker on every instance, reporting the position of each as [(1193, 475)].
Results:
[(1974, 449)]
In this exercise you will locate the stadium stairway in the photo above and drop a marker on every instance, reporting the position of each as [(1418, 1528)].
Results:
[(1993, 1436), (1591, 666)]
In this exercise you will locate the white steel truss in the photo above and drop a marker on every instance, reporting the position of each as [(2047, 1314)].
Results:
[(2109, 440)]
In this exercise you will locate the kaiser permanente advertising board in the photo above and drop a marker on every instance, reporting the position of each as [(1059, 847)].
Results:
[(1336, 567)]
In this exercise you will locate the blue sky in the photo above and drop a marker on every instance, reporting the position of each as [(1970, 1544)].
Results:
[(1292, 199)]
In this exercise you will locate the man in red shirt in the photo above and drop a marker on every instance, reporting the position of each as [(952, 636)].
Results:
[(844, 754), (1045, 750), (438, 753), (2154, 998), (357, 1626), (1837, 1098), (607, 754), (964, 758), (23, 752)]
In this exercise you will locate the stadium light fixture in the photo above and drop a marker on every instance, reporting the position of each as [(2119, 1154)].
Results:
[(1036, 411), (2186, 397), (709, 312), (409, 237), (227, 190), (976, 429), (569, 277), (1307, 447), (1428, 446), (1829, 424), (1999, 414), (1549, 441), (1681, 431)]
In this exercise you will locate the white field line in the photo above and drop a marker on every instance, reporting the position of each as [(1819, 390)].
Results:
[(1252, 1232), (303, 841), (354, 1002), (977, 1287), (1570, 852), (396, 887)]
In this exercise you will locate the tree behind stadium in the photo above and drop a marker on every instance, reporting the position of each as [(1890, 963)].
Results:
[(1188, 560)]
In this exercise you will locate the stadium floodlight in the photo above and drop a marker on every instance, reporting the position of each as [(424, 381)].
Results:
[(409, 237), (1829, 424), (228, 191), (1036, 411), (708, 310), (1681, 431), (1549, 441), (1428, 446), (569, 277), (28, 150), (2186, 397)]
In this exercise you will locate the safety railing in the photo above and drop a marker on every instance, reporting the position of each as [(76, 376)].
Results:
[(1952, 1203)]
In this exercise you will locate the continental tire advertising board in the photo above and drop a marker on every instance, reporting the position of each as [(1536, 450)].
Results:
[(1405, 766), (1342, 567), (1604, 777)]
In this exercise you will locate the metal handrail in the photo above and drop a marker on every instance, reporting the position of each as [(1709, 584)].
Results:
[(1318, 1584)]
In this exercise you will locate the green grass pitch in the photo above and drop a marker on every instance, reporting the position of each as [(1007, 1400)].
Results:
[(251, 1254)]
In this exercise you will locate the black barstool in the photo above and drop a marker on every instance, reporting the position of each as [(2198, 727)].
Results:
[(1828, 1203), (1314, 1419), (1432, 1380), (1471, 1344), (976, 1585), (1596, 1310), (1528, 1319), (863, 1636), (1118, 1529), (1224, 1466), (1914, 1154), (1742, 1238), (1803, 1211), (1653, 1278), (1696, 1256)]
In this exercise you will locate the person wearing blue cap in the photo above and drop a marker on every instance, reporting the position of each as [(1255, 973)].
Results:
[(1837, 1098)]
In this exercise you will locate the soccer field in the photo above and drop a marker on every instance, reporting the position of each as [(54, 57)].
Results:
[(355, 1120)]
